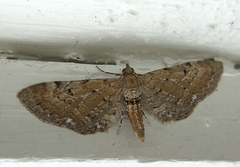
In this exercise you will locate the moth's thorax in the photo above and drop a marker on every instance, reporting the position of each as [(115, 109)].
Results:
[(130, 87), (129, 81)]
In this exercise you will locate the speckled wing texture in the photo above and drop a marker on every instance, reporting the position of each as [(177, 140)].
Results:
[(172, 93), (86, 106)]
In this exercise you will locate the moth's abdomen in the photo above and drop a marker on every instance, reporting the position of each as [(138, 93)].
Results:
[(135, 116)]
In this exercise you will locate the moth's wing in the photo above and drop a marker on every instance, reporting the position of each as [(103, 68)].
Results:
[(86, 106), (172, 93)]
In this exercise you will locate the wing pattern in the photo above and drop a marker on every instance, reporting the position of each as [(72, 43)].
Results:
[(86, 106), (171, 94)]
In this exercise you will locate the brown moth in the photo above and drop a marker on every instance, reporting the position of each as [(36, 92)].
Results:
[(90, 106)]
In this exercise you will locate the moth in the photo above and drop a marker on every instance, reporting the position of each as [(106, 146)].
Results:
[(93, 105)]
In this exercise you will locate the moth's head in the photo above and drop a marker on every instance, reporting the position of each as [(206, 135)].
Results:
[(128, 70)]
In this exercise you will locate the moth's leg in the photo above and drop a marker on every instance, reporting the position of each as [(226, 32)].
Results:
[(124, 115), (145, 117), (108, 72)]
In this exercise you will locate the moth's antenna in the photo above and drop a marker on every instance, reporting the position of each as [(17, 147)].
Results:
[(108, 72)]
